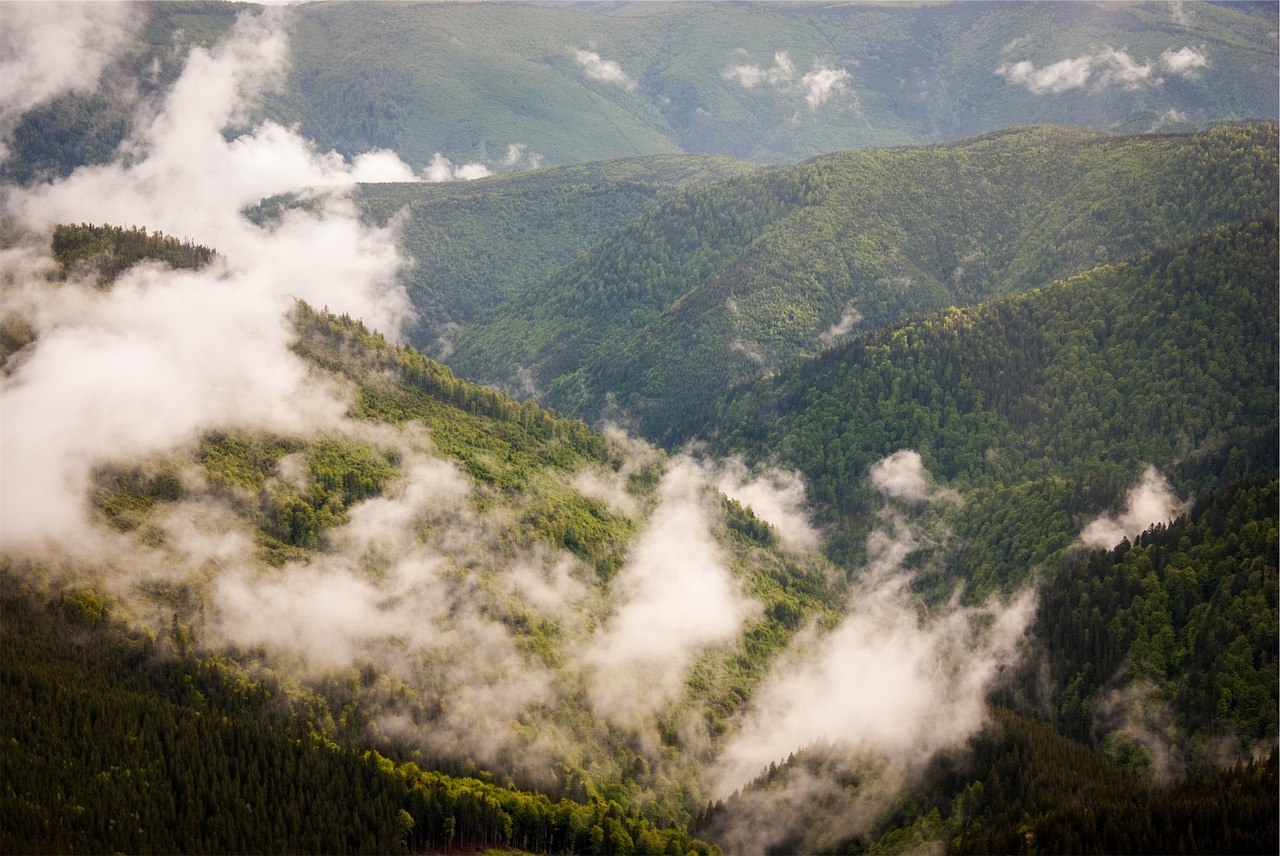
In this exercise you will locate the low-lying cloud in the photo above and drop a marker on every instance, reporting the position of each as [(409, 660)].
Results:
[(816, 86), (902, 476), (1148, 502), (606, 70), (750, 76), (51, 49), (443, 169), (164, 355), (519, 155), (675, 597), (891, 683), (1184, 61), (1100, 70), (774, 495), (849, 319)]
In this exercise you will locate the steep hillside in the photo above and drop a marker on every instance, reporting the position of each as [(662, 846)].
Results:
[(462, 581), (1039, 408), (178, 753), (476, 244), (512, 85), (726, 282)]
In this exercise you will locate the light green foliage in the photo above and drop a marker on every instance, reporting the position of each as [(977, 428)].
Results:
[(584, 527), (15, 334), (339, 474), (501, 443), (472, 813), (124, 495)]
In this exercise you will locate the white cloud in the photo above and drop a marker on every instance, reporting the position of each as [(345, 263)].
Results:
[(165, 355), (902, 476), (1056, 78), (848, 320), (1148, 502), (750, 76), (379, 166), (893, 683), (519, 154), (675, 598), (443, 169), (816, 87), (775, 496), (1184, 61), (606, 70), (820, 84), (1105, 68)]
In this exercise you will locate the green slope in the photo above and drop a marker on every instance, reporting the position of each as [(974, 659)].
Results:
[(1037, 408), (119, 742), (510, 505), (1040, 408), (726, 282), (476, 244)]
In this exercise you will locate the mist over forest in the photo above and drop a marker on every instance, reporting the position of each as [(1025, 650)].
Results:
[(653, 428)]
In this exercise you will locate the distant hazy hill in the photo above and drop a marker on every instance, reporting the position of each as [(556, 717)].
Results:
[(727, 281), (773, 82), (564, 83)]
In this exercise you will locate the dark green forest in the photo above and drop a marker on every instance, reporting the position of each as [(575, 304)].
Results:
[(116, 741), (1042, 407)]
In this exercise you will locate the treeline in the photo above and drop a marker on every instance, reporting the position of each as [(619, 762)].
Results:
[(116, 741), (109, 251), (1043, 407), (470, 814)]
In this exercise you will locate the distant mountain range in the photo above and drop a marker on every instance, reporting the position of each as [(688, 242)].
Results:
[(509, 86)]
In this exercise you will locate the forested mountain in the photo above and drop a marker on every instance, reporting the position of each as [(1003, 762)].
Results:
[(300, 598), (918, 498), (565, 83), (475, 245), (726, 282), (282, 586), (1041, 408)]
